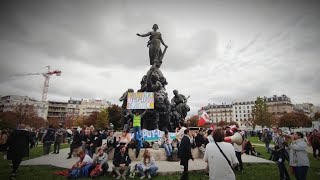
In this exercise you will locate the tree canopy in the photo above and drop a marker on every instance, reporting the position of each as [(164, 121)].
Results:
[(294, 119), (260, 113)]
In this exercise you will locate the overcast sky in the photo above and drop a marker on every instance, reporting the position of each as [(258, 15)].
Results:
[(219, 51)]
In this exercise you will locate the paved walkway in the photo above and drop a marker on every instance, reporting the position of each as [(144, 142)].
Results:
[(59, 160)]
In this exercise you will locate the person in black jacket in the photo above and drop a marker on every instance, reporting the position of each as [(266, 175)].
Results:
[(96, 142), (18, 147), (185, 154), (76, 142), (121, 161), (48, 138)]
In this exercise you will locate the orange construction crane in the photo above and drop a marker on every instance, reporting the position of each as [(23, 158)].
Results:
[(46, 82)]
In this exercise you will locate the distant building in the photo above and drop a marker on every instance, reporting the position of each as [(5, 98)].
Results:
[(91, 105), (74, 107), (219, 113), (307, 108), (279, 105), (242, 113), (8, 102), (58, 110)]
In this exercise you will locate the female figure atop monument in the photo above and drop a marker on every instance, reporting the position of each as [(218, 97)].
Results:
[(155, 52)]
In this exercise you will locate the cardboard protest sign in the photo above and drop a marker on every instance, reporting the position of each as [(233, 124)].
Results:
[(140, 100)]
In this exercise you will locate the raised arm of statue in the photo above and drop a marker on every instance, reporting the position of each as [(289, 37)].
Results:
[(144, 35)]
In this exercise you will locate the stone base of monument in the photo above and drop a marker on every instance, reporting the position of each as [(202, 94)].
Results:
[(159, 155)]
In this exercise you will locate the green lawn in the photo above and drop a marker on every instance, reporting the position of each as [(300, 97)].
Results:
[(251, 171)]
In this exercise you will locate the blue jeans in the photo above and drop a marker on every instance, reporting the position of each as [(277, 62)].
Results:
[(167, 148), (301, 172), (138, 135), (152, 170)]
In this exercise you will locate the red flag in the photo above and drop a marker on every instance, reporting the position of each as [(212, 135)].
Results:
[(204, 118)]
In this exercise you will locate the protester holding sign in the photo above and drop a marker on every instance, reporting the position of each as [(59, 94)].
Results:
[(137, 126)]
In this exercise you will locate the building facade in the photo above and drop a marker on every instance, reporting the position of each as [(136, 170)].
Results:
[(58, 110), (307, 108), (73, 107), (91, 105), (242, 113), (219, 113), (279, 105), (7, 103)]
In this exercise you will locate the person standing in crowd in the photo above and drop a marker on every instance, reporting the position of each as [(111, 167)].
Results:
[(185, 154), (299, 160), (200, 141), (267, 137), (100, 165), (137, 126), (147, 165), (87, 140), (220, 166), (18, 147), (278, 157), (239, 149), (111, 141), (3, 141), (209, 137), (48, 139), (166, 144), (180, 132), (314, 140), (76, 142), (121, 161), (58, 139), (96, 142)]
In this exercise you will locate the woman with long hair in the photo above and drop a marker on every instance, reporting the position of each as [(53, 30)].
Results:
[(147, 165)]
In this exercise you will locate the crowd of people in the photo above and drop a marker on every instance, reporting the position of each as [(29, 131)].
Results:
[(93, 147)]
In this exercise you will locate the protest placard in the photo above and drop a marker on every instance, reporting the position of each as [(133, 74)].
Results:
[(140, 100)]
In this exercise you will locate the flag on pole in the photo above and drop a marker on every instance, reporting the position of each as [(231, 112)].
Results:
[(204, 118)]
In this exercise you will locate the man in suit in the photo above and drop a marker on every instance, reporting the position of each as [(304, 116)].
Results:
[(185, 154), (18, 147)]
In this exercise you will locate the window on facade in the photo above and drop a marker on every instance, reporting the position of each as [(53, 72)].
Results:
[(240, 119), (236, 115), (240, 107), (240, 115), (236, 111), (248, 111), (239, 111), (235, 107), (244, 115), (236, 119)]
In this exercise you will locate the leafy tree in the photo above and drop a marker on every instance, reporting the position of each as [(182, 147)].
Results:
[(91, 119), (37, 122), (114, 112), (54, 121), (193, 121), (25, 113), (102, 119), (260, 113), (79, 121), (8, 120), (294, 119), (70, 121)]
